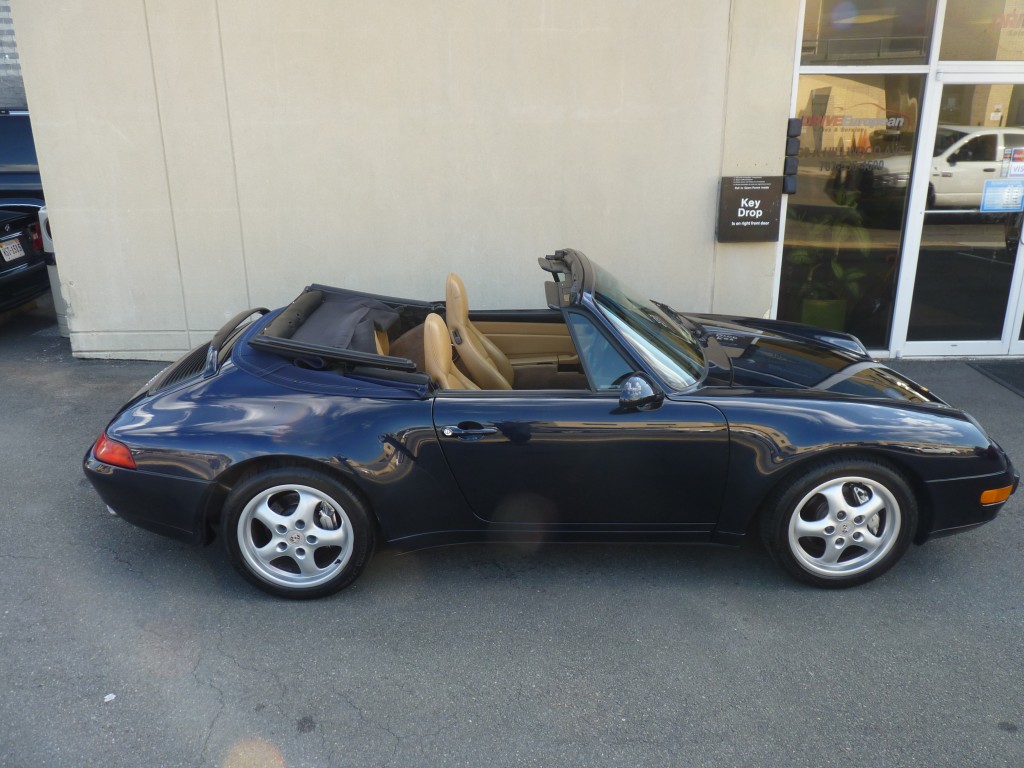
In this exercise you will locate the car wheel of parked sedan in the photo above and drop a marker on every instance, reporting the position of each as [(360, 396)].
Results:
[(841, 523), (296, 533)]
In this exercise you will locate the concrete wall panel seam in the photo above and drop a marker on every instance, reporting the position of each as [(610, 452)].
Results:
[(234, 157), (167, 176)]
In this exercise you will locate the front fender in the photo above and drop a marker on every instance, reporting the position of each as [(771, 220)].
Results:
[(772, 437)]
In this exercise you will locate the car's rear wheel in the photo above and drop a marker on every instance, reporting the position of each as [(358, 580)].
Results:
[(841, 523), (296, 533)]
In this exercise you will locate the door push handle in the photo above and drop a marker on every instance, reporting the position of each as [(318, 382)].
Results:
[(988, 170), (467, 432)]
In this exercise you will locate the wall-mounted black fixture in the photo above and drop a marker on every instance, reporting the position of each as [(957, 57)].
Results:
[(789, 169)]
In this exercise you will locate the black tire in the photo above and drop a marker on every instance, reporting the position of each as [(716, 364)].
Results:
[(296, 533), (857, 518)]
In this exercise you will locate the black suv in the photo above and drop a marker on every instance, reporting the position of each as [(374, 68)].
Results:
[(23, 274)]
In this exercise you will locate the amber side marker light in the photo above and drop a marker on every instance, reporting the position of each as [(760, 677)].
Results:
[(112, 452), (996, 495)]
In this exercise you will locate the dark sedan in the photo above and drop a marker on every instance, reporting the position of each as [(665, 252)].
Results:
[(23, 274), (311, 432)]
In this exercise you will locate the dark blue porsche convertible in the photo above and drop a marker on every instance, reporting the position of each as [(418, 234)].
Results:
[(307, 434)]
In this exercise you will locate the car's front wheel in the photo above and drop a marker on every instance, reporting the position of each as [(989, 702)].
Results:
[(296, 533), (841, 523)]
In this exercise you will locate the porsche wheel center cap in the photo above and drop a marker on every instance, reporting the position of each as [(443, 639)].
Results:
[(295, 537), (844, 528)]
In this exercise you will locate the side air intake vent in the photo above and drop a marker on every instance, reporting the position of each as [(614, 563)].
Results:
[(190, 365)]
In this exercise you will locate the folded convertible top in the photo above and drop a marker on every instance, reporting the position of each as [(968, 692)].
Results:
[(339, 326)]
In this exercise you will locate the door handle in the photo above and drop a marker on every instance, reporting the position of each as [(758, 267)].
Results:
[(469, 432), (988, 170)]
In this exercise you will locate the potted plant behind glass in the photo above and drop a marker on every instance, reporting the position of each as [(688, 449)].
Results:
[(830, 286)]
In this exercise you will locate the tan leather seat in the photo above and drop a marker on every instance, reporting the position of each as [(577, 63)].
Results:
[(437, 353), (488, 366)]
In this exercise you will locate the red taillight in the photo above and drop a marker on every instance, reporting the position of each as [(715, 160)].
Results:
[(112, 452), (36, 235)]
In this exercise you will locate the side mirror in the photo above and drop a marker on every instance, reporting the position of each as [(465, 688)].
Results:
[(640, 393), (953, 159)]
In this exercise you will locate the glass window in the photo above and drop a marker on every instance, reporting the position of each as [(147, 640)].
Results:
[(945, 138), (972, 224), (983, 30), (602, 362), (662, 337), (978, 150), (867, 31), (19, 149), (844, 225)]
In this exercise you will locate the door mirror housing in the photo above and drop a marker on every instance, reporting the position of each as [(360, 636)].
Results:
[(640, 393)]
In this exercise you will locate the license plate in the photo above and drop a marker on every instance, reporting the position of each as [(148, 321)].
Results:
[(11, 250)]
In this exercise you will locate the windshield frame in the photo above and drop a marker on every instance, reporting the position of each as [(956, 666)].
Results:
[(665, 342)]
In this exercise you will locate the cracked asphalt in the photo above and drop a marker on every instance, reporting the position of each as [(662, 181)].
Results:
[(121, 648)]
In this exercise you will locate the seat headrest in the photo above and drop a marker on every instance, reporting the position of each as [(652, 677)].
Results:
[(456, 301)]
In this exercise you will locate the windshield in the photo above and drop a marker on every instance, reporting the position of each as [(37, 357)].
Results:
[(946, 138), (670, 349)]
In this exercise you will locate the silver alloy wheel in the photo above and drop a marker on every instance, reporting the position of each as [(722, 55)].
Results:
[(294, 536), (844, 526)]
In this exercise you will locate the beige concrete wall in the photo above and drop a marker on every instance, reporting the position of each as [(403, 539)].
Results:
[(199, 156), (762, 61)]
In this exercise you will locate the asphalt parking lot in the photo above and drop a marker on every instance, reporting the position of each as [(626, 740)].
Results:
[(121, 648)]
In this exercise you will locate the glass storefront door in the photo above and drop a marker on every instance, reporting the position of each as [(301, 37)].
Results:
[(966, 282), (960, 289), (841, 253), (906, 226)]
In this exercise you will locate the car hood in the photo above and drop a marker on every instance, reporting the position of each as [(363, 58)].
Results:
[(747, 352)]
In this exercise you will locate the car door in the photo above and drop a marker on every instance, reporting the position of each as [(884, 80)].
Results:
[(959, 176), (551, 458), (555, 458)]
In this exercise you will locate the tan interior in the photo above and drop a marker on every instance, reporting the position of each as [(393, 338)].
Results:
[(437, 352), (531, 343), (490, 355), (488, 366), (380, 338)]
